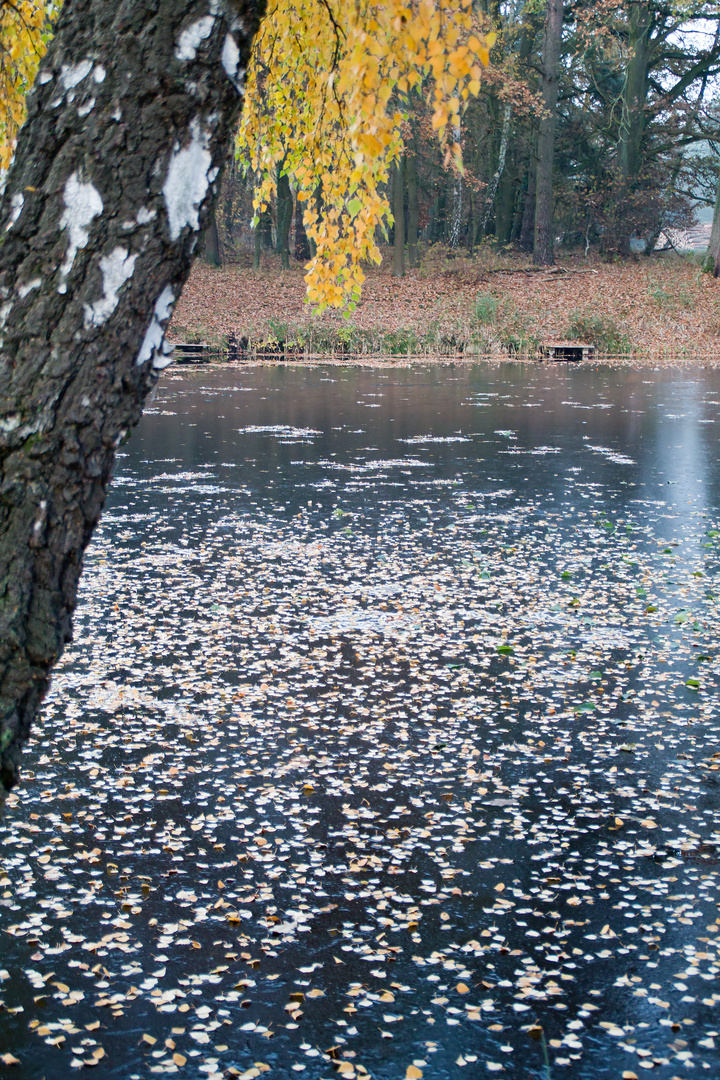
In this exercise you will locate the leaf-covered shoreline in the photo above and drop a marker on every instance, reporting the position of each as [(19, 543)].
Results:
[(663, 311)]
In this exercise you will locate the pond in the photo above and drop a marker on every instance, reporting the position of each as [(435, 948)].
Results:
[(388, 741)]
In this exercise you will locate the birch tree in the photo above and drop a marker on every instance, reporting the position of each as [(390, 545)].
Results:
[(114, 177)]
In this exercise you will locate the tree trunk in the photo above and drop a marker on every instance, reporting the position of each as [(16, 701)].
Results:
[(494, 181), (713, 251), (115, 175), (211, 243), (398, 192), (257, 247), (284, 218), (543, 254), (528, 226), (632, 116), (413, 215), (265, 229), (302, 244)]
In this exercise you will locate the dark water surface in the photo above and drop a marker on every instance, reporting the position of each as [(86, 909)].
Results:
[(389, 736)]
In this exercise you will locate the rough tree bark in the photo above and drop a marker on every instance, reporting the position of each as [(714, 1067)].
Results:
[(543, 254), (114, 178)]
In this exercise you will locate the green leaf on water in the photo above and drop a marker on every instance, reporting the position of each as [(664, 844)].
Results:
[(506, 650)]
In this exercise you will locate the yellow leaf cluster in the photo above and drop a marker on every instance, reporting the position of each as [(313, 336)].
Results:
[(326, 96), (25, 30)]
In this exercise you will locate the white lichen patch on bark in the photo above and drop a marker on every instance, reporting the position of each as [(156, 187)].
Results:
[(40, 519), (192, 37), (45, 77), (17, 202), (230, 57), (82, 204), (71, 75), (28, 287), (83, 110), (9, 423), (117, 268), (189, 175), (99, 73), (143, 217), (151, 348)]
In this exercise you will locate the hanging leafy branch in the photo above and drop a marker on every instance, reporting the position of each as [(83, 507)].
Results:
[(326, 91), (25, 30)]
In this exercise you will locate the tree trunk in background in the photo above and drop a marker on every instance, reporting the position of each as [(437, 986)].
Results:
[(438, 215), (211, 244), (413, 215), (265, 229), (263, 237), (543, 254), (257, 249), (398, 192), (527, 228), (505, 202), (302, 244), (632, 117), (495, 178), (101, 216), (713, 252), (284, 218)]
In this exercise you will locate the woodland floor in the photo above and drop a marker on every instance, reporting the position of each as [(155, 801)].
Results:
[(663, 310)]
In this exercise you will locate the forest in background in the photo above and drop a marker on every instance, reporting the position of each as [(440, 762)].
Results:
[(614, 105)]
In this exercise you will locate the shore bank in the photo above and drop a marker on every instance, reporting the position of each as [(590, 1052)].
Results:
[(662, 311)]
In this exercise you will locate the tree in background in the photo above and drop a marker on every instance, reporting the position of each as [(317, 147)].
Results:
[(326, 103), (543, 244)]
